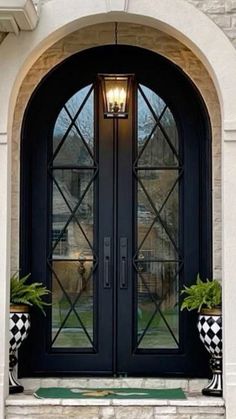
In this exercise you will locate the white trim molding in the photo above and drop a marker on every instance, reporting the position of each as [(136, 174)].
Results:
[(3, 137), (16, 15), (121, 5)]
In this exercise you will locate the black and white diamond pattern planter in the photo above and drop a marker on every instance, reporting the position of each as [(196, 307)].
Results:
[(210, 330), (19, 329)]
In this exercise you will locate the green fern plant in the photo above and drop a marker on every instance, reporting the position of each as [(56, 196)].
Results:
[(28, 294), (203, 294)]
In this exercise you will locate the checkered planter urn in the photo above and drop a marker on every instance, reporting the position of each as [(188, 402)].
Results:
[(19, 329), (210, 330)]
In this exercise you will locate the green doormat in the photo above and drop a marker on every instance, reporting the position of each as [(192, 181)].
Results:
[(109, 393)]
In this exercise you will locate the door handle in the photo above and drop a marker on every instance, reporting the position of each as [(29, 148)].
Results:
[(106, 261), (123, 263)]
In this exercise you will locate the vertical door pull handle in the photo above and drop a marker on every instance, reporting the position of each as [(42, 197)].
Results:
[(106, 260), (123, 273), (106, 273), (123, 263)]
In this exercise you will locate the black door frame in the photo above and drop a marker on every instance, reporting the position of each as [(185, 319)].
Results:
[(190, 113)]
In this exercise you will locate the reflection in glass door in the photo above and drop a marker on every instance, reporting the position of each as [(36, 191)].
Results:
[(72, 259), (157, 173), (158, 170)]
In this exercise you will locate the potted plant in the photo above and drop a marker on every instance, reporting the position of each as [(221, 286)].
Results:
[(206, 298), (22, 297)]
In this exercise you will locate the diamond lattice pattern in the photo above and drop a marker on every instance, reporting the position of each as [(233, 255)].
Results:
[(157, 260), (72, 260)]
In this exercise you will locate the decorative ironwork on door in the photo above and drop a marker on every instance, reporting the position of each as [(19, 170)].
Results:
[(113, 219), (157, 261), (72, 259)]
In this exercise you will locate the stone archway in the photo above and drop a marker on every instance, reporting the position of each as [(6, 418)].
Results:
[(136, 35), (188, 25)]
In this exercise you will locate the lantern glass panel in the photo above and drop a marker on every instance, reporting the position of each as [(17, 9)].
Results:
[(115, 90)]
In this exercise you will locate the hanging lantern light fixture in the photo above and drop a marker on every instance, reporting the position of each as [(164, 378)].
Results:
[(116, 94), (116, 90)]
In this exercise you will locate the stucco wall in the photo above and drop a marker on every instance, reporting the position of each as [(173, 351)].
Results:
[(131, 34)]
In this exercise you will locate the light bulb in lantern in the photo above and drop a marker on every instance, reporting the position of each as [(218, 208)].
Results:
[(116, 96), (110, 99), (122, 99)]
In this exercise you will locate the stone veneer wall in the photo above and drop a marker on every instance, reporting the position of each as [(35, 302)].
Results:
[(192, 408), (222, 12), (136, 35), (2, 36)]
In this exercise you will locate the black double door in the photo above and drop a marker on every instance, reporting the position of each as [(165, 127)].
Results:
[(117, 216)]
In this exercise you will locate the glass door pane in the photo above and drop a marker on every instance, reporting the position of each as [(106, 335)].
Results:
[(72, 258), (157, 259)]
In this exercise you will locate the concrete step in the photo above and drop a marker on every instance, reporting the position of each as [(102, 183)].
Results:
[(195, 406)]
